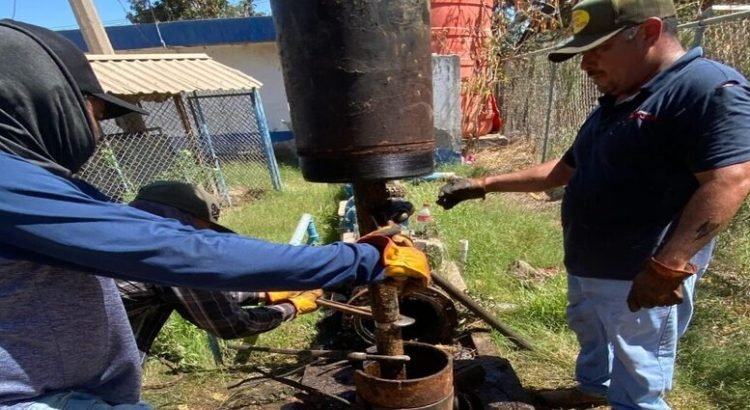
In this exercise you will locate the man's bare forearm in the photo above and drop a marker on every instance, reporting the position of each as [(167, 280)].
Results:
[(541, 177), (710, 209)]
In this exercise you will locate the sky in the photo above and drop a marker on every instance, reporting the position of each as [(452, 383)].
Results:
[(57, 15)]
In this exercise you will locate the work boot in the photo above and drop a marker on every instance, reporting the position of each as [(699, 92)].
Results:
[(571, 397)]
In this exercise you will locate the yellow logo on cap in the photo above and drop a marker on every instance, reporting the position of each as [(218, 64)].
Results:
[(580, 20)]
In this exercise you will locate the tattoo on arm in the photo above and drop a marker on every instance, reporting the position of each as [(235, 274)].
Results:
[(706, 229)]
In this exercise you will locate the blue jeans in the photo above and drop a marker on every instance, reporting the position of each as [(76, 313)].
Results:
[(627, 357), (79, 401)]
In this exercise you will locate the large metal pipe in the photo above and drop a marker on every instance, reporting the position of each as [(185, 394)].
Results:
[(358, 76)]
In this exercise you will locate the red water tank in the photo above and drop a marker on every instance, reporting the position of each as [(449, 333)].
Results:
[(463, 27)]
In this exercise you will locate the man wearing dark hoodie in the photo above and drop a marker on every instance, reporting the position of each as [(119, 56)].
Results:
[(65, 341)]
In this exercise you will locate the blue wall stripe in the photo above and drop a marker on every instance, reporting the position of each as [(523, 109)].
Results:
[(280, 136), (186, 33)]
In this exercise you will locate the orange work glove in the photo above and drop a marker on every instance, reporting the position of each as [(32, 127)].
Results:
[(460, 190), (273, 298), (400, 258), (658, 285), (304, 302)]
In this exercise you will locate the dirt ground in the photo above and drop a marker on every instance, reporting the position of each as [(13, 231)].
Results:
[(228, 388), (498, 156), (492, 156)]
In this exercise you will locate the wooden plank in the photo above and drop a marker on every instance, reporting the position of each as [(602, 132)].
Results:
[(91, 27)]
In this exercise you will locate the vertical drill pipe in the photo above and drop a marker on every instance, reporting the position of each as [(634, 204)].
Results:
[(383, 297), (358, 74)]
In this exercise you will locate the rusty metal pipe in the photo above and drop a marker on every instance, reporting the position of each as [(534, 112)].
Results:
[(359, 79), (474, 307), (352, 356), (368, 198)]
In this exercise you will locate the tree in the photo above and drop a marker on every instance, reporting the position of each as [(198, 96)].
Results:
[(146, 11), (523, 25), (246, 8)]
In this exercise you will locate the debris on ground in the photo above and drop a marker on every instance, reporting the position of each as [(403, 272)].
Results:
[(530, 276)]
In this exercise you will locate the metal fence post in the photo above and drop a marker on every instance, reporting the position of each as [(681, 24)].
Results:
[(260, 118), (548, 120), (207, 135), (700, 29)]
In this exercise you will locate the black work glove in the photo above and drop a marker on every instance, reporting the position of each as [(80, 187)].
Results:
[(396, 210), (658, 285), (460, 190)]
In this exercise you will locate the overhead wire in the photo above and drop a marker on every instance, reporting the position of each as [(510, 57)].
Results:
[(137, 26), (156, 23)]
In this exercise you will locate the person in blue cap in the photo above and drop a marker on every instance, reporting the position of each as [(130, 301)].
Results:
[(655, 172)]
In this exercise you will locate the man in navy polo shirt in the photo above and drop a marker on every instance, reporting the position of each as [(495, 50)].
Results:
[(655, 172)]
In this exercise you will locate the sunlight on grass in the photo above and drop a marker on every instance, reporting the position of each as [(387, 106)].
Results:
[(274, 215)]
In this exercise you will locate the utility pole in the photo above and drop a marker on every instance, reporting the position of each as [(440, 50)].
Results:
[(91, 27)]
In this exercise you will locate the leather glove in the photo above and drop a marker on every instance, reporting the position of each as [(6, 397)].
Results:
[(658, 285), (400, 258), (304, 302), (460, 190), (396, 210), (273, 298)]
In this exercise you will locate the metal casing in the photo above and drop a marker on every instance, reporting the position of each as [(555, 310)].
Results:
[(358, 76)]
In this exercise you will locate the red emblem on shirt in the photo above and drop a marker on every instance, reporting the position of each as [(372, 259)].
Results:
[(641, 115)]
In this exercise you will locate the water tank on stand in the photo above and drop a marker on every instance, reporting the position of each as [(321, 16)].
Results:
[(463, 27)]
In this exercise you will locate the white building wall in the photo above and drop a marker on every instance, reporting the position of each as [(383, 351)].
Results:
[(258, 60)]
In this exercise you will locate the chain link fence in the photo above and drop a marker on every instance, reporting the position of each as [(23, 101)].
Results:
[(546, 103), (215, 140), (726, 41)]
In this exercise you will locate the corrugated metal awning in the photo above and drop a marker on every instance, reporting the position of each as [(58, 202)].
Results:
[(138, 74)]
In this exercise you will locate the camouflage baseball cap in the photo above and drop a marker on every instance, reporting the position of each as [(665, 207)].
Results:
[(185, 197), (596, 21)]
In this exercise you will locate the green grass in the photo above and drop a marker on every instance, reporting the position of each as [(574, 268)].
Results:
[(713, 369), (713, 358), (183, 344), (274, 214)]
